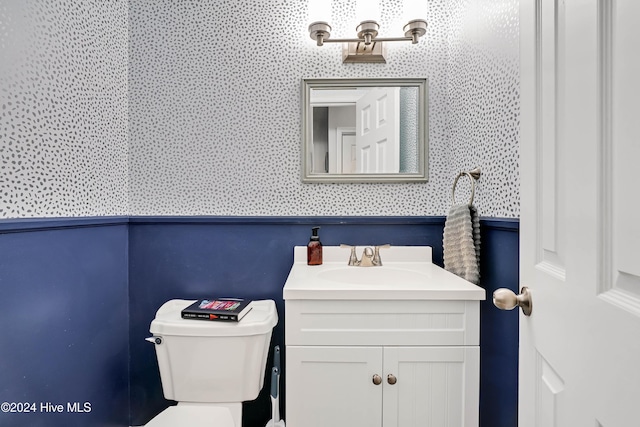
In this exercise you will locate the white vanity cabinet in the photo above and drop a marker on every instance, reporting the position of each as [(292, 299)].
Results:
[(416, 363), (357, 355)]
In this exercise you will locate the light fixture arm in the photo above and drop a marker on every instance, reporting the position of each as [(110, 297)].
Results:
[(320, 31), (376, 40)]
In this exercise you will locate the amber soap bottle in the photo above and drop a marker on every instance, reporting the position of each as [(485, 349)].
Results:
[(314, 248)]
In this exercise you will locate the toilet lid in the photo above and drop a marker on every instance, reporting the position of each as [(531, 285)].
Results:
[(193, 416), (168, 321)]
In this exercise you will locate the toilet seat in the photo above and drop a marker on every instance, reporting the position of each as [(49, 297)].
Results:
[(193, 416)]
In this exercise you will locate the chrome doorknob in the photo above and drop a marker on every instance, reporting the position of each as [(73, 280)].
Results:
[(506, 299)]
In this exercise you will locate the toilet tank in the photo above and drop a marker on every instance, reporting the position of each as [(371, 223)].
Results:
[(212, 361)]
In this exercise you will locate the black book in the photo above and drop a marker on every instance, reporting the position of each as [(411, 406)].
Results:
[(225, 309)]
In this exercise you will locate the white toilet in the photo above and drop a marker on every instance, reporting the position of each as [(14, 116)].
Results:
[(210, 367)]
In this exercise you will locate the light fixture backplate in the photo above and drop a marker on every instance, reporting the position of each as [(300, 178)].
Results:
[(358, 52)]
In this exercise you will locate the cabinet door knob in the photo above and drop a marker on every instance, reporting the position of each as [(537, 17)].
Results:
[(391, 379), (377, 379)]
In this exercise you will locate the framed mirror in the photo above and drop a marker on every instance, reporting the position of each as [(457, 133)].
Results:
[(365, 130)]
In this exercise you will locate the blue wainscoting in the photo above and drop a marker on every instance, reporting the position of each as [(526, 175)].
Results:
[(251, 257), (78, 296), (499, 329), (243, 257), (64, 322)]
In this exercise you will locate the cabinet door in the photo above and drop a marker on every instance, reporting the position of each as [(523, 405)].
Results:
[(333, 386), (435, 387)]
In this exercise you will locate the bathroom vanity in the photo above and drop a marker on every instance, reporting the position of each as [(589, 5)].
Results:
[(392, 345)]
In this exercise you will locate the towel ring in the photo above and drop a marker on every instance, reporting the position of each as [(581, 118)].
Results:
[(473, 175)]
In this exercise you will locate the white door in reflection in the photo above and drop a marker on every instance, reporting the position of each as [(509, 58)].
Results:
[(378, 131), (348, 144)]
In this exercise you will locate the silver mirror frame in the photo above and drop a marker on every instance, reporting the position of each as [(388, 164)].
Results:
[(423, 131)]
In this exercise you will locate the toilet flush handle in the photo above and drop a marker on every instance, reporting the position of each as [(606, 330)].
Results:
[(154, 340)]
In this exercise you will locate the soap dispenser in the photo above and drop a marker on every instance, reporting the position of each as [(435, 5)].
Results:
[(314, 248)]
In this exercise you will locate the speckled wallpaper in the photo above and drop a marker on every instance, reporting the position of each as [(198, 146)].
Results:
[(63, 108), (216, 116), (483, 95), (193, 107)]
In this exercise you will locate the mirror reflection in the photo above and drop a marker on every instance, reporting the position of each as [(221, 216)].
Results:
[(359, 130)]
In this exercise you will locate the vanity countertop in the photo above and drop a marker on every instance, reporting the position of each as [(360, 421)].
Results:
[(407, 273)]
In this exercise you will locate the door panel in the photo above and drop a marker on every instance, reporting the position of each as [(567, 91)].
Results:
[(579, 233), (622, 142), (436, 386), (332, 386), (347, 153), (378, 131), (548, 145), (550, 244), (549, 388)]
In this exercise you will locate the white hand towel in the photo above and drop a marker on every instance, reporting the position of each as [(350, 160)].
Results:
[(461, 242)]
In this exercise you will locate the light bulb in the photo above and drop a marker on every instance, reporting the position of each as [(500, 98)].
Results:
[(367, 10), (319, 11), (413, 9)]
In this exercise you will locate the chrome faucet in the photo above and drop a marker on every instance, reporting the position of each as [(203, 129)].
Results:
[(370, 256)]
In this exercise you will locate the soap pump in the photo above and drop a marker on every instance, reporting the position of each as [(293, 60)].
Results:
[(314, 248)]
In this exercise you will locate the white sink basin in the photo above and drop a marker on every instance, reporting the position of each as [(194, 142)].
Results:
[(407, 273), (374, 276)]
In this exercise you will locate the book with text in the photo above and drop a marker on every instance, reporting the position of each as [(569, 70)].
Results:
[(225, 309)]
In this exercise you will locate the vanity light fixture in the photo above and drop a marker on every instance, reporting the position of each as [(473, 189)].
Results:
[(367, 47)]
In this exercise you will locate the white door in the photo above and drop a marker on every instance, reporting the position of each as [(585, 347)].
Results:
[(580, 217), (378, 131), (348, 151)]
